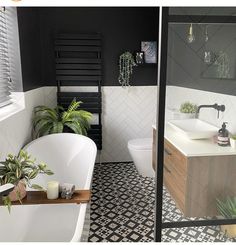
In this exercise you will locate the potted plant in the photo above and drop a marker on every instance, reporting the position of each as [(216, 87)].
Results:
[(227, 209), (50, 121), (188, 110), (126, 64), (233, 141), (19, 171)]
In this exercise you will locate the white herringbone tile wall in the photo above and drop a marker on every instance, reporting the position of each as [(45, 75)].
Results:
[(128, 113), (177, 95), (15, 131)]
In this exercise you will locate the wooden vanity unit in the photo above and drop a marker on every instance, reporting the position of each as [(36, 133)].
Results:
[(196, 172)]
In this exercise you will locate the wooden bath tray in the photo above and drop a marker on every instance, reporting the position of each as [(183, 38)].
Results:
[(40, 197)]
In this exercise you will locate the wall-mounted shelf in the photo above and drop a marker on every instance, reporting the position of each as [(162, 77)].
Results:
[(40, 197)]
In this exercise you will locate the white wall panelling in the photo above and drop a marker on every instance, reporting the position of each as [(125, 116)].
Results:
[(177, 95)]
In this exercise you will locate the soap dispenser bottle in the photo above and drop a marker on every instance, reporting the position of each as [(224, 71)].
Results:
[(223, 136)]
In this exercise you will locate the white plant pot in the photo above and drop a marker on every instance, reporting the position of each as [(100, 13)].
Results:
[(233, 143), (187, 115)]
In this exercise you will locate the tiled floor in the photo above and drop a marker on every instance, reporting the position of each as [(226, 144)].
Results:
[(122, 209)]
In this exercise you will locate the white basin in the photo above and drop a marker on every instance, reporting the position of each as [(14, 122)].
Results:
[(194, 128)]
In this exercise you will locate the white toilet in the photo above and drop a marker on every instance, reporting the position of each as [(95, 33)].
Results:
[(141, 153)]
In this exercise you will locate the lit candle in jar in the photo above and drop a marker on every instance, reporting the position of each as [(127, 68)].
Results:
[(52, 189)]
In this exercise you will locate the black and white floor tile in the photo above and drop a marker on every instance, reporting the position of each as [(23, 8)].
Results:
[(122, 209)]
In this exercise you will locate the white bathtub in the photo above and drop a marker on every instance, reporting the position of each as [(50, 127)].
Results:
[(71, 157)]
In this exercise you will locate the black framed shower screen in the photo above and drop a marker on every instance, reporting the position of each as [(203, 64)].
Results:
[(164, 20)]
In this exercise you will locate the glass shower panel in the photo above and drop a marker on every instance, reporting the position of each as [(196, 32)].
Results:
[(200, 173)]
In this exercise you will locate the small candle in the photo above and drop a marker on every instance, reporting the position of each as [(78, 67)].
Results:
[(52, 189)]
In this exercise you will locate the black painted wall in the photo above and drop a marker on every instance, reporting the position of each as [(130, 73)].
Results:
[(30, 47), (186, 67), (123, 29)]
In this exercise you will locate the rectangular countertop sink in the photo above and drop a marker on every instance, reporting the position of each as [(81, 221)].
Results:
[(194, 128)]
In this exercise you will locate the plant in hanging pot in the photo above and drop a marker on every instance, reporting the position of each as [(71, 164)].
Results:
[(188, 110), (19, 171), (126, 64), (227, 209), (58, 120)]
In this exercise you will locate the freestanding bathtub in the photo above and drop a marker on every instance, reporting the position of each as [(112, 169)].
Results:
[(71, 157)]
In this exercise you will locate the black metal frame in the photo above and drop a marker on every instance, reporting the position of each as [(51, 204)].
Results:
[(79, 63), (201, 19), (159, 225)]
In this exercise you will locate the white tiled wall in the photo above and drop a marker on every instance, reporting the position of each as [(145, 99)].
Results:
[(15, 131), (177, 95), (127, 114)]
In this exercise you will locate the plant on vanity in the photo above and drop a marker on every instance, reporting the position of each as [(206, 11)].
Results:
[(188, 109), (19, 171), (227, 209), (50, 121)]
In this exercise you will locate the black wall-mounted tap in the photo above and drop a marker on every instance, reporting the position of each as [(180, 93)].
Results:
[(214, 106)]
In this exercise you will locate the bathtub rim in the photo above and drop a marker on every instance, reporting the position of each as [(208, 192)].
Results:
[(91, 168)]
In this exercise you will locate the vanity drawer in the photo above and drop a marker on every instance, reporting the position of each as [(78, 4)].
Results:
[(175, 158), (175, 186), (175, 172)]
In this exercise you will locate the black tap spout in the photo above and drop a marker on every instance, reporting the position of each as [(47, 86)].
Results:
[(214, 106)]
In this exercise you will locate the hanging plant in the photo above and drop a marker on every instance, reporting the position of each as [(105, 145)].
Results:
[(126, 64)]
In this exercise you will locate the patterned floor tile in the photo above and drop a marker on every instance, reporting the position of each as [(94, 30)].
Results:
[(122, 209)]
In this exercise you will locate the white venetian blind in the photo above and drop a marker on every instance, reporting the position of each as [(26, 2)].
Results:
[(5, 79)]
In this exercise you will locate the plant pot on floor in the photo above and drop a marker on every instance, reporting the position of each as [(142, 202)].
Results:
[(19, 192), (229, 230)]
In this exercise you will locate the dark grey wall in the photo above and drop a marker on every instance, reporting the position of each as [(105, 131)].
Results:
[(122, 29), (185, 61), (30, 47)]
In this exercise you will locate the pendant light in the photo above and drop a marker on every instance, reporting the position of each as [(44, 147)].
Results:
[(190, 37)]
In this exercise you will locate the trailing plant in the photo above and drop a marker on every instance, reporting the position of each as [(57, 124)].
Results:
[(51, 121), (227, 208), (22, 167), (188, 107), (126, 64)]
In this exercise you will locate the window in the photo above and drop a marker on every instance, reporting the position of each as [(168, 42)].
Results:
[(5, 79)]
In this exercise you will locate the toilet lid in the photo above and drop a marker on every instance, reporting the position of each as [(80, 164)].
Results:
[(141, 144)]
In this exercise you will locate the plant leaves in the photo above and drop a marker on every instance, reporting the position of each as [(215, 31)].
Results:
[(37, 187), (57, 128)]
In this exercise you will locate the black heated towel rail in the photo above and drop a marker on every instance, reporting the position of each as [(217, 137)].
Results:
[(79, 63)]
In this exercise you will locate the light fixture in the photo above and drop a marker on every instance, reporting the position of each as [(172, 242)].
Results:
[(190, 37), (206, 34)]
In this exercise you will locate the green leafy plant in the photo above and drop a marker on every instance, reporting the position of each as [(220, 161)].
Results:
[(188, 107), (126, 64), (18, 168), (50, 121), (227, 208)]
